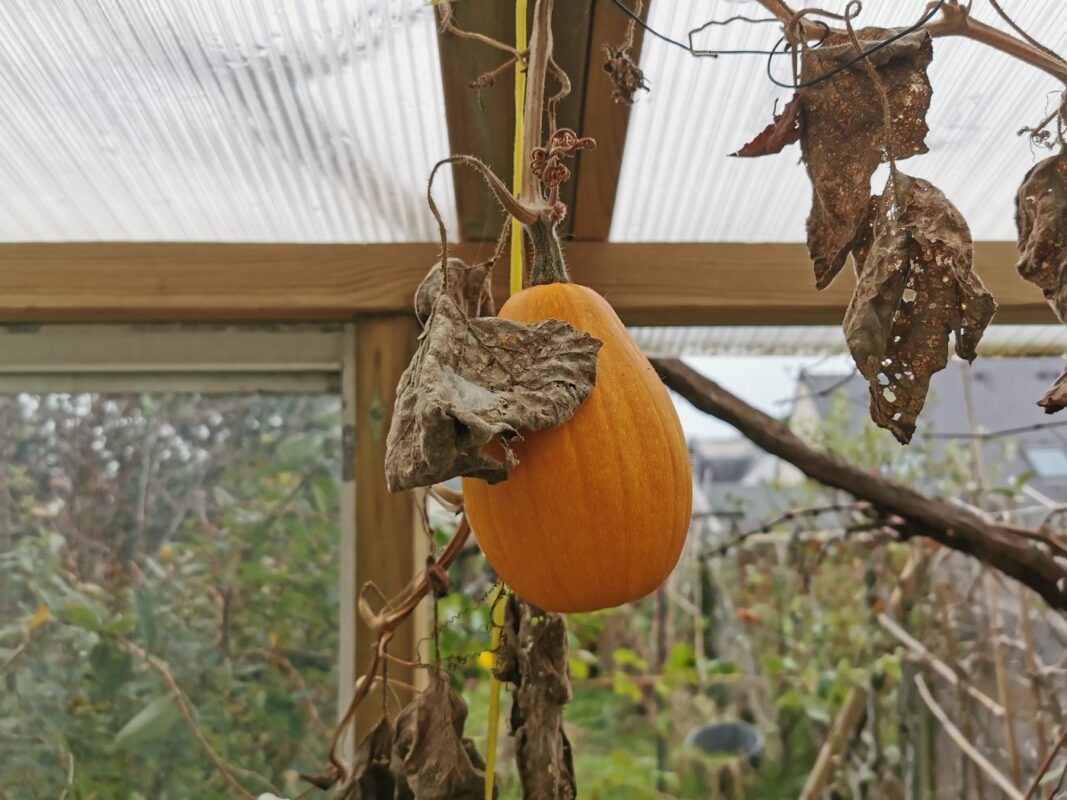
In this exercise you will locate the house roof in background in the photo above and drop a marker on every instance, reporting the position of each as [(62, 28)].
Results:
[(1004, 392), (730, 461), (732, 474), (1003, 395)]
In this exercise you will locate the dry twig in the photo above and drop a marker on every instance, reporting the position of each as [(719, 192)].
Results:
[(1015, 27), (164, 672), (997, 545), (938, 666), (961, 741), (448, 25), (1046, 765), (955, 21), (790, 516), (385, 623)]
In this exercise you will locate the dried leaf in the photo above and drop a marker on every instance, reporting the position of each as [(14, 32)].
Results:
[(372, 776), (533, 655), (470, 287), (782, 132), (1055, 399), (473, 381), (627, 79), (861, 244), (915, 286), (1041, 217), (843, 136), (431, 756)]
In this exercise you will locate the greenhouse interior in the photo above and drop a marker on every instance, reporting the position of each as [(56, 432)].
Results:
[(540, 399)]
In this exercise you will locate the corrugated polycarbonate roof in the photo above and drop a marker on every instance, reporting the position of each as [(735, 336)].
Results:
[(677, 183), (756, 340), (253, 120), (319, 121)]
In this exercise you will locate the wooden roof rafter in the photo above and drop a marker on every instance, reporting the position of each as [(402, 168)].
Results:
[(647, 283), (481, 122)]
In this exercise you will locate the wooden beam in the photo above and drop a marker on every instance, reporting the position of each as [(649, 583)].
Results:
[(607, 122), (480, 122), (385, 540), (647, 283), (572, 39)]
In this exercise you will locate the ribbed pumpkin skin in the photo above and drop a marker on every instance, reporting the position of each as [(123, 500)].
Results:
[(597, 510)]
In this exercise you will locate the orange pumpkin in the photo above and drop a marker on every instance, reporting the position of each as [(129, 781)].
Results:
[(596, 511)]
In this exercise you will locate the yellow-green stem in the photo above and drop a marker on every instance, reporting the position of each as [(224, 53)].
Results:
[(496, 617), (520, 100)]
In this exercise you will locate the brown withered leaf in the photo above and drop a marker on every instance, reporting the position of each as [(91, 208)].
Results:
[(473, 381), (1055, 399), (914, 288), (533, 656), (372, 775), (627, 79), (432, 759), (469, 286), (1041, 217), (843, 137), (785, 129)]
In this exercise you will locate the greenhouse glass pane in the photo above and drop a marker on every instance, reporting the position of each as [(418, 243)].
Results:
[(199, 531)]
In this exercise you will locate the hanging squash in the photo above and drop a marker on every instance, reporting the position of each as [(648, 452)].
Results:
[(596, 511)]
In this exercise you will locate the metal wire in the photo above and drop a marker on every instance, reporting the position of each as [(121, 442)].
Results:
[(1037, 426), (853, 61), (689, 47), (774, 51)]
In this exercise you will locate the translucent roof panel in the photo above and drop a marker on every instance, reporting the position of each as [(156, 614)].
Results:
[(790, 340), (678, 184), (243, 120)]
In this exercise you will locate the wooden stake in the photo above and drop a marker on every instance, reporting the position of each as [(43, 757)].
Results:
[(1003, 687), (385, 523), (826, 764)]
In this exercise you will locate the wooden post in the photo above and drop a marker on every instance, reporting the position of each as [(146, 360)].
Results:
[(385, 542), (606, 121), (480, 122), (826, 764)]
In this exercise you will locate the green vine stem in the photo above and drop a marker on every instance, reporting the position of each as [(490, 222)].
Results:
[(548, 264), (542, 166), (540, 54)]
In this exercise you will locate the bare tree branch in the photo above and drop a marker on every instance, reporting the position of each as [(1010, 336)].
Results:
[(1000, 546)]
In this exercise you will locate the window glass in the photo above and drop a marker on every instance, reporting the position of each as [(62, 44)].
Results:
[(1048, 461), (144, 537)]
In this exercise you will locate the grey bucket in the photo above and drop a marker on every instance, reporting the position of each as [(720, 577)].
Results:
[(728, 738)]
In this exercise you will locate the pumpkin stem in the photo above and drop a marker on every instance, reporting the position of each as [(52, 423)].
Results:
[(548, 263)]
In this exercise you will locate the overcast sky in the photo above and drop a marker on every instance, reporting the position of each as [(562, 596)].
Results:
[(767, 382)]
